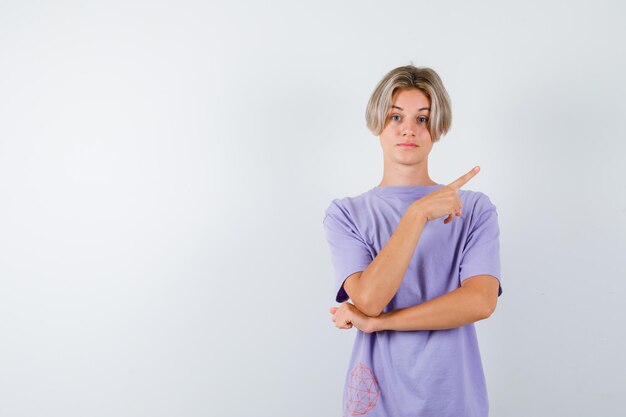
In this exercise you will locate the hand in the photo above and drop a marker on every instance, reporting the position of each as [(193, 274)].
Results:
[(445, 200), (347, 315)]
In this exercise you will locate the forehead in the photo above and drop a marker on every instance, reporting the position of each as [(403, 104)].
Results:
[(410, 99)]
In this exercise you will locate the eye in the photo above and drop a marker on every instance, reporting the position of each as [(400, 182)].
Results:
[(423, 119), (395, 115)]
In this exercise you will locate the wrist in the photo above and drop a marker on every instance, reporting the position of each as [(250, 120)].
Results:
[(377, 323), (417, 213)]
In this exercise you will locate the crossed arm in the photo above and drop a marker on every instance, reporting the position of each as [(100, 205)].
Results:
[(475, 300), (372, 289)]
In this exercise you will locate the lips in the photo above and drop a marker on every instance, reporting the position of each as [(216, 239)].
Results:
[(408, 144)]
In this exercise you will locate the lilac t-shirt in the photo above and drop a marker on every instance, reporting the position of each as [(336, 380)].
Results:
[(424, 373)]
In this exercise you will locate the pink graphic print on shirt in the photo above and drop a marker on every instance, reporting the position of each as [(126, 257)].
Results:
[(361, 393)]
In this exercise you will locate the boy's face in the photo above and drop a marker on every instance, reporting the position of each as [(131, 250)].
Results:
[(407, 122)]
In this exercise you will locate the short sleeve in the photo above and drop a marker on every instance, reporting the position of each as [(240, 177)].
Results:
[(481, 252), (348, 250)]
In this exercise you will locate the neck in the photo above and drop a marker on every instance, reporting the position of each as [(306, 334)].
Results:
[(403, 175)]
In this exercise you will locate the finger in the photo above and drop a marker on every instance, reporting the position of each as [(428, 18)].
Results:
[(343, 326), (463, 179), (449, 218)]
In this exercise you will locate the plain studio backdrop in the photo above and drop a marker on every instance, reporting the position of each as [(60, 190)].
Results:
[(165, 167)]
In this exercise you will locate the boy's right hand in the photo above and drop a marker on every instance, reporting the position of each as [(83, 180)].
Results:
[(444, 201)]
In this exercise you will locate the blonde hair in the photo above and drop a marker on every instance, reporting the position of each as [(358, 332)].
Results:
[(408, 77)]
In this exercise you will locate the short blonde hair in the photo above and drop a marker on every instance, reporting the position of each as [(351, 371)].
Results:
[(408, 77)]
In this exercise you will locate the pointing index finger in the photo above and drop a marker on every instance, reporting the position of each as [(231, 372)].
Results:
[(463, 179)]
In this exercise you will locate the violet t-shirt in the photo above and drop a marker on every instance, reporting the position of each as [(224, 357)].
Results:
[(423, 373)]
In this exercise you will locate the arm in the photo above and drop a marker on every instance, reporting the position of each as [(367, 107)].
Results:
[(475, 300), (372, 289)]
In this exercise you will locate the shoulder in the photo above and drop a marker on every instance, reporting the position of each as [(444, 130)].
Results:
[(346, 206), (476, 200), (477, 207)]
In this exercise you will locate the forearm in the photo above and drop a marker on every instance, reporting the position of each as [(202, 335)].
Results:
[(380, 281), (454, 309)]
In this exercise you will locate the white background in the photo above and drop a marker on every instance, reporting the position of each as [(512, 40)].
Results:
[(165, 167)]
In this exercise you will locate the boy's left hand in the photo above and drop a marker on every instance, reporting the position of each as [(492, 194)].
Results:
[(347, 315)]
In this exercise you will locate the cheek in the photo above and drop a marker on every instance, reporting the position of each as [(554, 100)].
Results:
[(387, 136), (425, 132)]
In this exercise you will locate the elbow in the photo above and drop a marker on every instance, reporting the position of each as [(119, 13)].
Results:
[(361, 300), (484, 314), (488, 310), (373, 312), (366, 307), (369, 309)]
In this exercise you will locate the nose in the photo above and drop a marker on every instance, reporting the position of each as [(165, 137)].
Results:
[(409, 129)]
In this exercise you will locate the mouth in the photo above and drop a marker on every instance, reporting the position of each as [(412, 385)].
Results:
[(407, 145)]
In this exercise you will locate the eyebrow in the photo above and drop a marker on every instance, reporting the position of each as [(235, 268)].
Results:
[(400, 108)]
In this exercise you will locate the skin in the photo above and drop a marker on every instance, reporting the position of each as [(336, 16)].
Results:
[(407, 121), (406, 166)]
